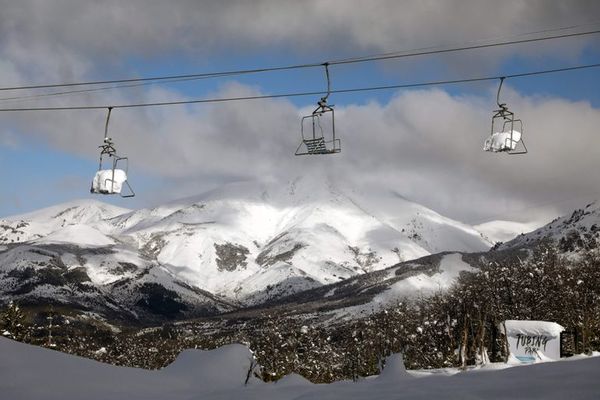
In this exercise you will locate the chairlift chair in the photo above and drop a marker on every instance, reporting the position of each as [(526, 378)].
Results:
[(313, 138), (506, 132), (111, 179)]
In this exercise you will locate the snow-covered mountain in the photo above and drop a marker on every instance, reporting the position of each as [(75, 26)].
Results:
[(48, 221), (579, 230), (504, 231), (571, 233), (240, 244)]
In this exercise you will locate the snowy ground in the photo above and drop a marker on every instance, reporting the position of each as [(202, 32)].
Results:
[(28, 372)]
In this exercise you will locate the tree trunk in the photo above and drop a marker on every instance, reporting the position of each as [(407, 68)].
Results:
[(506, 346), (481, 350), (463, 344)]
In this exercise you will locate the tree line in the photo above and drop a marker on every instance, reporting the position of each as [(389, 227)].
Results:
[(454, 328)]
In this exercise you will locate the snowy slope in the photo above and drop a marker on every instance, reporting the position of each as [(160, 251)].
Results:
[(411, 280), (571, 232), (373, 291), (422, 283), (244, 238), (504, 231), (38, 224), (244, 243), (29, 372), (77, 234), (112, 281)]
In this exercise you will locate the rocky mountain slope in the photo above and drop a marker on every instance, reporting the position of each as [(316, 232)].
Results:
[(571, 233), (239, 245)]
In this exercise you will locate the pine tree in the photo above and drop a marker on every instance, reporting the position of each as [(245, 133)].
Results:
[(13, 322)]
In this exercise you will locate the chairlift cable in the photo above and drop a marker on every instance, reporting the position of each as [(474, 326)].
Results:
[(381, 57), (456, 49), (97, 89), (164, 78), (477, 41), (300, 94)]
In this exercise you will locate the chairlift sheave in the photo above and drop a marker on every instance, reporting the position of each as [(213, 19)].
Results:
[(314, 135), (506, 134), (111, 177)]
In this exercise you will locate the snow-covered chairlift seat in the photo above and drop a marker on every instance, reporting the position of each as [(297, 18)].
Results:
[(109, 181), (502, 141)]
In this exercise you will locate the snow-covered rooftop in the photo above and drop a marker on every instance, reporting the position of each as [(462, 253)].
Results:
[(531, 328)]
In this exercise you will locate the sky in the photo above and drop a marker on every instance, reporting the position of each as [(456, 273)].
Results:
[(425, 143)]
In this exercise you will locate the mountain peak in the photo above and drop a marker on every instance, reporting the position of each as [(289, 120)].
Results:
[(89, 207), (41, 223), (240, 238)]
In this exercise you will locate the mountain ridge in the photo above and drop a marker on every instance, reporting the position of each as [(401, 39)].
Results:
[(237, 246)]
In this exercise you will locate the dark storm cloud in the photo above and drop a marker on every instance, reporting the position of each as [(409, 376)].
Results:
[(105, 31)]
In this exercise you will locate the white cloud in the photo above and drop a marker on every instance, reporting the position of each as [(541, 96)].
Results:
[(425, 144), (66, 39)]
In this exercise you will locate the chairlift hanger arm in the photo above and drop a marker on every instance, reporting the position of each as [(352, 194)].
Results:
[(107, 147), (503, 105), (322, 105), (326, 65), (107, 120)]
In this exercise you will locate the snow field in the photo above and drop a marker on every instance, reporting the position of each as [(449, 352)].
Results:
[(29, 372)]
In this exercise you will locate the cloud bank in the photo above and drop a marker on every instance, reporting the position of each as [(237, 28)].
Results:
[(425, 144)]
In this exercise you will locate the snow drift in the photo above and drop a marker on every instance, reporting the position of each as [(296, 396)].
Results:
[(29, 372)]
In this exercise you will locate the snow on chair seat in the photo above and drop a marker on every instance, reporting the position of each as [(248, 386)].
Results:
[(502, 141), (109, 181)]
